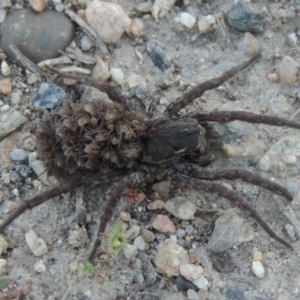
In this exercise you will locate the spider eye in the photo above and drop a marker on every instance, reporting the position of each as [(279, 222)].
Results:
[(187, 131)]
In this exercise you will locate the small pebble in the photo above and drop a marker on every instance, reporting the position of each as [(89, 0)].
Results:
[(125, 216), (3, 245), (18, 154), (192, 295), (130, 251), (162, 223), (163, 188), (160, 8), (257, 256), (181, 208), (249, 44), (32, 78), (287, 70), (16, 193), (38, 5), (291, 231), (109, 20), (48, 96), (273, 77), (59, 7), (156, 204), (189, 229), (37, 245), (243, 18), (133, 232), (170, 257), (2, 15), (101, 70), (5, 68), (39, 266), (293, 38), (206, 23), (86, 43), (136, 80), (187, 20), (3, 264), (139, 243), (5, 86), (157, 56), (180, 233), (136, 27), (30, 143), (147, 235), (145, 7), (258, 269), (16, 97), (73, 266), (118, 75), (202, 283), (191, 272), (229, 231)]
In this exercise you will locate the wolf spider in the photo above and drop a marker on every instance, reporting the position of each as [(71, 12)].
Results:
[(130, 147)]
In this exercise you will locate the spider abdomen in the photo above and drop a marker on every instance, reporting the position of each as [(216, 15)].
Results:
[(95, 136)]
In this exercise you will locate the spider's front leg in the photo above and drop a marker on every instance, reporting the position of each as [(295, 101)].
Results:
[(229, 116), (210, 84), (131, 180), (202, 185)]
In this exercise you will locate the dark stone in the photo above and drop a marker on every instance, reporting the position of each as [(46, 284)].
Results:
[(235, 294), (48, 96), (37, 35), (222, 262), (183, 284), (157, 55), (243, 18)]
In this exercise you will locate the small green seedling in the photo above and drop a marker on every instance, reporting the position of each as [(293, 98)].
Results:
[(117, 239), (87, 268)]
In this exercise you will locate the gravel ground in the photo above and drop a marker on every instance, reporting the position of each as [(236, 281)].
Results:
[(271, 151)]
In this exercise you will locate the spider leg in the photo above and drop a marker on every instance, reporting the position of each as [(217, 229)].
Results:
[(229, 116), (129, 181), (61, 189), (228, 194), (234, 174), (210, 84)]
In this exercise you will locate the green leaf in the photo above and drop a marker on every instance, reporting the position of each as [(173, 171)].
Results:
[(4, 283)]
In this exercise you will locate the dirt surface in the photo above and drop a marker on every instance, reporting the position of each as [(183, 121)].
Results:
[(194, 57)]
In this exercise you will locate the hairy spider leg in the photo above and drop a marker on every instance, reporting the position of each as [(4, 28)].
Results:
[(201, 185), (128, 181), (210, 84), (61, 189)]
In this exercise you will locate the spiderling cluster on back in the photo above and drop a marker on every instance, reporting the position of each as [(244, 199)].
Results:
[(97, 136)]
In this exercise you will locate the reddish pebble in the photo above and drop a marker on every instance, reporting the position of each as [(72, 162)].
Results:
[(162, 223), (5, 86), (273, 77)]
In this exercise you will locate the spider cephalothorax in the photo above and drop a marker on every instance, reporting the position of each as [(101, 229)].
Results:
[(121, 144)]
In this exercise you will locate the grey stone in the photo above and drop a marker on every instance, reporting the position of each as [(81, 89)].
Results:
[(243, 18), (282, 158), (181, 208), (38, 36), (18, 154), (229, 231), (48, 96)]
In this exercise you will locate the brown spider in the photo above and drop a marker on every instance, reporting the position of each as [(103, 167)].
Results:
[(125, 146)]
